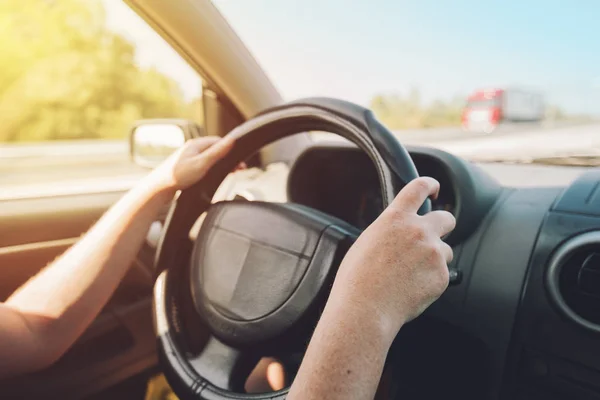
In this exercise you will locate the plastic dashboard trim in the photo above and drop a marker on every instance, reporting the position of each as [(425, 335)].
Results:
[(474, 191)]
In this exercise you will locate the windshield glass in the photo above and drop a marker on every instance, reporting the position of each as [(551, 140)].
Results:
[(416, 64), (485, 104)]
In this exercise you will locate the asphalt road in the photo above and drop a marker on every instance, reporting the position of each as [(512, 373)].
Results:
[(30, 170), (417, 136)]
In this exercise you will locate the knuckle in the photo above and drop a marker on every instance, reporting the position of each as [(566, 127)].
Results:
[(432, 253), (393, 212)]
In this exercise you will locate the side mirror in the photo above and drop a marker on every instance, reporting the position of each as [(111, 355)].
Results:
[(152, 141)]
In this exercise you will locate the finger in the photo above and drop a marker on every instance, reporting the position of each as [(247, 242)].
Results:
[(441, 222), (276, 375), (412, 196), (217, 151), (241, 166), (447, 252), (202, 143)]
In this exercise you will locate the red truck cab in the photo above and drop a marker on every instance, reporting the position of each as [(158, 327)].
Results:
[(483, 111)]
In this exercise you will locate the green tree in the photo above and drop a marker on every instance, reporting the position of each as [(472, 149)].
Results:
[(64, 75), (409, 112)]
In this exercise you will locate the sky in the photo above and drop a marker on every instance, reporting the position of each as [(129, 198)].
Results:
[(355, 49)]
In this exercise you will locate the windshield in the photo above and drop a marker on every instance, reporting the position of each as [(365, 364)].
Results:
[(485, 104), (417, 64)]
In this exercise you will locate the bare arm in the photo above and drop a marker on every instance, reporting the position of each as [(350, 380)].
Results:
[(393, 272), (345, 357), (44, 317)]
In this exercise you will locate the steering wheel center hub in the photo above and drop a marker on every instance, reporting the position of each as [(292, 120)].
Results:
[(248, 270), (252, 282)]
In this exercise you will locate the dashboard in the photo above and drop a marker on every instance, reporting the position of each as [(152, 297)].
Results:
[(524, 321), (341, 180), (347, 185)]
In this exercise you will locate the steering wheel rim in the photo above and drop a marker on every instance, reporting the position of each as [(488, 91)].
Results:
[(179, 260)]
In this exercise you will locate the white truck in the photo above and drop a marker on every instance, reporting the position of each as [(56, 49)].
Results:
[(486, 109)]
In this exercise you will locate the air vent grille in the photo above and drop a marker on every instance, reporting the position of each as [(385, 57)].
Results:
[(574, 280), (579, 284)]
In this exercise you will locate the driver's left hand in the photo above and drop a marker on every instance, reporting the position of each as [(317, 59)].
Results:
[(189, 164)]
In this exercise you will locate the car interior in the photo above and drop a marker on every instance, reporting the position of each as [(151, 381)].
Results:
[(520, 319)]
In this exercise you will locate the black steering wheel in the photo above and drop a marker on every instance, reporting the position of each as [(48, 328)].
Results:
[(258, 274)]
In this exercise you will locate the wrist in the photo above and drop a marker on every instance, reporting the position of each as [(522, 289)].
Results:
[(359, 315), (154, 189)]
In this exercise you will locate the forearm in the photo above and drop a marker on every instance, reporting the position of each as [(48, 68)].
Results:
[(345, 357), (60, 302)]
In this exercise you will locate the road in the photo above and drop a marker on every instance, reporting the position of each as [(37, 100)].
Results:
[(50, 169), (516, 143)]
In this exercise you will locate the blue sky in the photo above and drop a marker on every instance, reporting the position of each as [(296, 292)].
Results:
[(355, 49)]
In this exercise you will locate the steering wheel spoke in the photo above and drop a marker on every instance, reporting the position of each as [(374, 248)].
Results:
[(224, 366)]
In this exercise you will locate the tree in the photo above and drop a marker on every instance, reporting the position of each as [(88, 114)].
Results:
[(408, 112), (64, 75)]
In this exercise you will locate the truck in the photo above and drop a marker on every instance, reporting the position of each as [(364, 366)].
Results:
[(486, 109)]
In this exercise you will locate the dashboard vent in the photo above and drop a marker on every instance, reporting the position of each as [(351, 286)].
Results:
[(574, 280)]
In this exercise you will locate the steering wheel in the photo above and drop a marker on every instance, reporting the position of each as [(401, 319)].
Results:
[(258, 274)]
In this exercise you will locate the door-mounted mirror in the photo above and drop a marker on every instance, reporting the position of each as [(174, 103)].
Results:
[(152, 141)]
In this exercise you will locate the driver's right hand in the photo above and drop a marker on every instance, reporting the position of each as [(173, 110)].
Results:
[(398, 266)]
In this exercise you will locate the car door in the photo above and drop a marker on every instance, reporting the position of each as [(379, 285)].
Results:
[(75, 76)]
